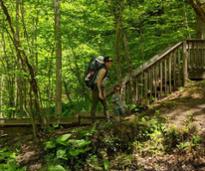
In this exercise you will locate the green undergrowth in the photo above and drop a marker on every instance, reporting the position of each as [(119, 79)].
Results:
[(112, 145), (8, 160)]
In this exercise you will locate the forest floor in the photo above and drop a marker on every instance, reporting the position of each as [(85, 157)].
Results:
[(121, 141), (185, 104)]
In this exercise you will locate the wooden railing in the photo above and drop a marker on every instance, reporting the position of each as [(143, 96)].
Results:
[(196, 60), (164, 73)]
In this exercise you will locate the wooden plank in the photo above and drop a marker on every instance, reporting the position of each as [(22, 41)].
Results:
[(155, 82), (190, 56), (174, 70), (202, 56), (151, 62), (199, 59), (165, 76), (141, 87), (158, 79), (181, 58), (195, 40), (178, 68), (145, 87), (185, 64), (188, 60), (170, 72), (27, 122), (194, 56), (161, 79), (150, 84)]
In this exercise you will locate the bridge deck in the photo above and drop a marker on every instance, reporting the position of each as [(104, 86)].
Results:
[(62, 121)]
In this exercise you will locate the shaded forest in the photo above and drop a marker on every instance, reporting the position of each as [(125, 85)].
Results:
[(130, 32), (45, 48)]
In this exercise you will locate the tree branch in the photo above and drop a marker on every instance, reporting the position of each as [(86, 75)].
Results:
[(196, 5)]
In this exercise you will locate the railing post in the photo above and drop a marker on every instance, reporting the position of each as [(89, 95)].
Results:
[(185, 63)]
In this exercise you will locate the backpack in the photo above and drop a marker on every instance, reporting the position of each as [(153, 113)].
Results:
[(95, 64)]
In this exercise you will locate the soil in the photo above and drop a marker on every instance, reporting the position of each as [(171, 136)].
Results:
[(184, 105), (180, 107)]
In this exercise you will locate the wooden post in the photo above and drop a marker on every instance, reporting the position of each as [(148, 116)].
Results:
[(174, 70), (150, 84), (141, 87), (165, 76), (170, 72), (155, 82), (161, 79), (185, 63)]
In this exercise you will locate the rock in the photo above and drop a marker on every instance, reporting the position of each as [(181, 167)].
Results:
[(27, 157), (35, 167)]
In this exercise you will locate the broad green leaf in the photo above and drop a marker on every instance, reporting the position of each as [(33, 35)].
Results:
[(61, 154), (50, 145), (3, 149), (106, 164), (56, 168), (63, 139), (76, 152), (79, 143)]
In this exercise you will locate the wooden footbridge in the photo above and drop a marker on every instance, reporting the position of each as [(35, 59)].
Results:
[(152, 81), (166, 72)]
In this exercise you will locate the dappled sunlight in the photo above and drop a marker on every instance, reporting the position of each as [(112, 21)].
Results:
[(180, 105)]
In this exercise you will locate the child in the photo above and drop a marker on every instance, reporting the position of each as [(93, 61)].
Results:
[(118, 108)]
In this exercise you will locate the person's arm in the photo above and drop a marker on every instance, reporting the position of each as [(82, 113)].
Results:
[(99, 81)]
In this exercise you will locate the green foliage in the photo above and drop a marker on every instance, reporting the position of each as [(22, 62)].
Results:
[(56, 168), (63, 139), (50, 145), (196, 140), (94, 163), (66, 148), (7, 161), (88, 28), (5, 154), (11, 166), (155, 137)]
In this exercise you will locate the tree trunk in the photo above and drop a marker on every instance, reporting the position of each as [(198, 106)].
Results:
[(58, 103), (25, 64), (67, 92), (118, 39), (200, 13), (19, 79), (1, 95), (200, 28), (9, 79)]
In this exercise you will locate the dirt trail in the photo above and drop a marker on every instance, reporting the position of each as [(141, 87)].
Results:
[(186, 104)]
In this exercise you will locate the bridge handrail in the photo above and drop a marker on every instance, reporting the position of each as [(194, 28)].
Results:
[(164, 73), (151, 62)]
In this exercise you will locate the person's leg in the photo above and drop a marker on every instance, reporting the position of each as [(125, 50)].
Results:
[(105, 110), (94, 104)]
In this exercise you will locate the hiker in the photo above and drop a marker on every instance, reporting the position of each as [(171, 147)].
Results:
[(98, 89), (118, 108)]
